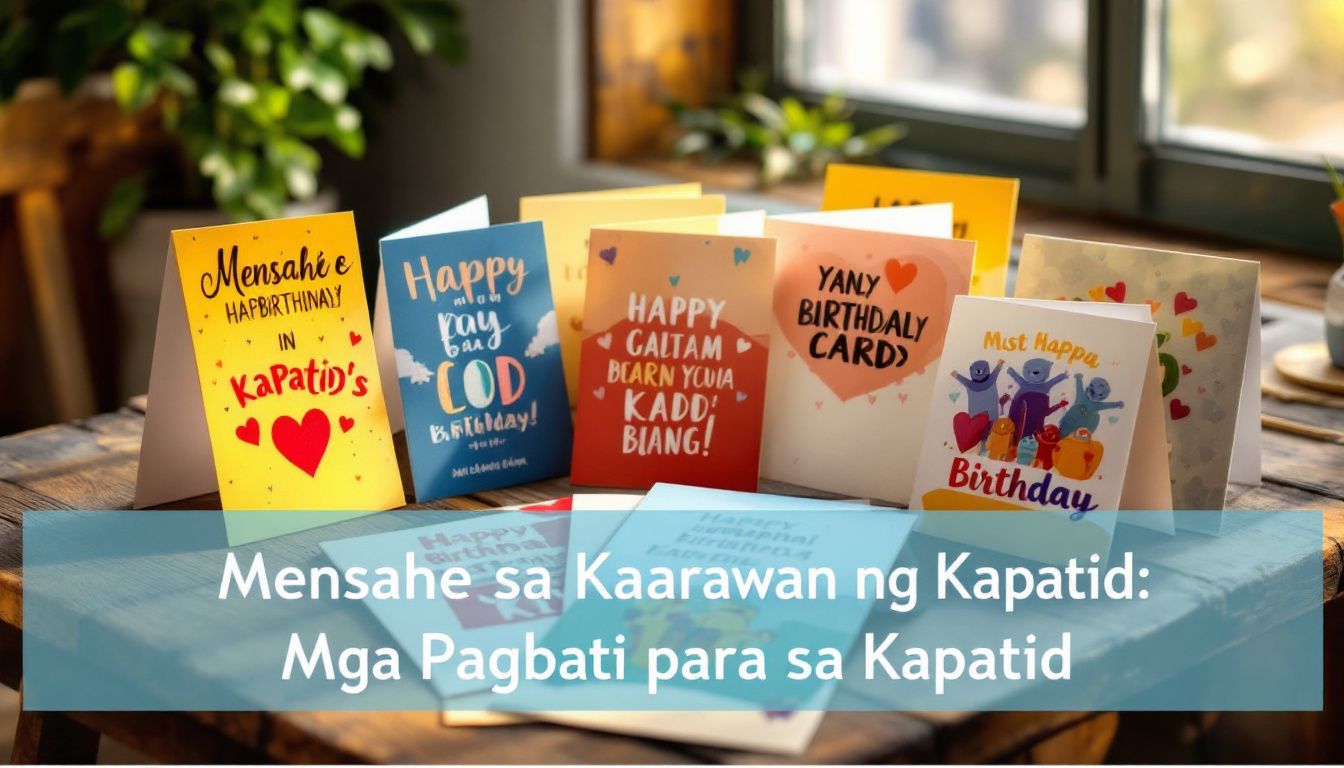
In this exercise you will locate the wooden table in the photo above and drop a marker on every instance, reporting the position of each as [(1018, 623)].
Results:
[(91, 464)]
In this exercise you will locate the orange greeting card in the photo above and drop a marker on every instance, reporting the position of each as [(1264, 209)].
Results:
[(674, 356), (984, 209), (264, 383)]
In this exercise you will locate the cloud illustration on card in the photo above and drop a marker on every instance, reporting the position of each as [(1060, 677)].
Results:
[(548, 335), (410, 368)]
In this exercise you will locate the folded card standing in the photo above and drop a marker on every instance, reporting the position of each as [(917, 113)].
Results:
[(264, 384), (859, 321), (1042, 405), (674, 354), (477, 354), (567, 218), (985, 209), (1207, 311)]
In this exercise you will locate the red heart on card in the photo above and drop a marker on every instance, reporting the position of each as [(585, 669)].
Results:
[(969, 429), (1184, 303), (900, 274), (304, 443), (1116, 292), (249, 432), (1179, 410), (355, 338), (346, 423)]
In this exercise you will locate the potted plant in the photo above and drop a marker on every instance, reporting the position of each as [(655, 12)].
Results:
[(1334, 294), (787, 140), (247, 95)]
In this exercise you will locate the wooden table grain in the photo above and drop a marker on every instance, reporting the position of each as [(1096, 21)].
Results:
[(91, 464)]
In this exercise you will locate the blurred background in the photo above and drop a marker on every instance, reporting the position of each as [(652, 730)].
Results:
[(124, 119)]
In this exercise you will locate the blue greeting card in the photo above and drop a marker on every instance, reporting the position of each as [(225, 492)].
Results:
[(476, 354)]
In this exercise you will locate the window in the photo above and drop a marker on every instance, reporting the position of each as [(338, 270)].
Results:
[(1206, 114)]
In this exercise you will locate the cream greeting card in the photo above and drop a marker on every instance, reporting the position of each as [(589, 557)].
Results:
[(1047, 406), (858, 325), (1207, 311)]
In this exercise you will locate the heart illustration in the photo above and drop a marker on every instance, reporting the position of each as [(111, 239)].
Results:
[(1153, 305), (1191, 326), (346, 423), (743, 345), (953, 396), (608, 255), (219, 363), (740, 256), (1179, 410), (1204, 340), (1097, 294), (576, 323), (903, 397), (1162, 338), (900, 274), (1201, 390), (1184, 303), (872, 399), (969, 429), (604, 341), (818, 404), (792, 354), (673, 280), (304, 443), (249, 432), (355, 338), (1112, 419), (796, 280), (1185, 369), (1116, 292), (741, 396), (600, 392)]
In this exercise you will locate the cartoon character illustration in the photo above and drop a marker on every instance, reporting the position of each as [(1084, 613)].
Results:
[(982, 388), (1047, 440), (999, 444), (1078, 456), (1026, 450), (1031, 404), (1085, 413)]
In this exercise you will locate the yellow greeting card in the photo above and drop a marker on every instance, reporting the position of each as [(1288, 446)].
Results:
[(264, 383), (567, 219), (984, 209)]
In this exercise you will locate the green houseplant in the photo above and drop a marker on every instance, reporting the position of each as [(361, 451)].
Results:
[(251, 89), (787, 139)]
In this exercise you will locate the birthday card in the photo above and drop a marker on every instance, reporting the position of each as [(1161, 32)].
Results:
[(1043, 405), (1207, 311), (985, 209), (567, 218), (532, 535), (264, 383), (674, 355), (860, 317), (477, 355)]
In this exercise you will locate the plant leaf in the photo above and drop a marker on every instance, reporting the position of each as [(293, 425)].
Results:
[(124, 201), (1335, 180)]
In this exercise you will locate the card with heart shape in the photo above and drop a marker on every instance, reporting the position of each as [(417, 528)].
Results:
[(464, 312), (1207, 310), (1045, 405), (264, 384), (567, 218), (674, 356), (860, 316)]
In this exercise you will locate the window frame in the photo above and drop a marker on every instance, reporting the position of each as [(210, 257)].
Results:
[(1113, 163)]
